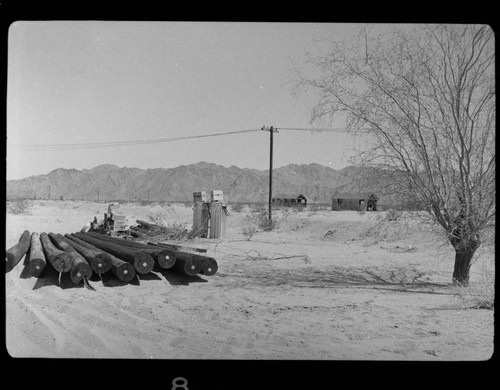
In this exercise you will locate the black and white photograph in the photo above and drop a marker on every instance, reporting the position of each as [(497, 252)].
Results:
[(250, 190)]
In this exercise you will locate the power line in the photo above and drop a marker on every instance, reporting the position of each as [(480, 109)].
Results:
[(107, 144), (321, 130), (97, 145)]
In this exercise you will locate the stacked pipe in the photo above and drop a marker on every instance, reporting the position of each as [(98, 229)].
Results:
[(80, 267), (163, 258), (102, 261), (142, 261), (37, 260), (42, 249), (15, 253), (187, 263), (82, 254), (181, 264)]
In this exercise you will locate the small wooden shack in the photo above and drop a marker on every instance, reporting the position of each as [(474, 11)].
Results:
[(354, 201), (289, 200)]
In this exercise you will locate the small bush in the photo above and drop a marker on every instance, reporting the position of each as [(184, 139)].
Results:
[(158, 217), (316, 207), (177, 231), (161, 214), (267, 224), (257, 208), (479, 294), (237, 207), (248, 232), (262, 221), (393, 215), (19, 206), (170, 230)]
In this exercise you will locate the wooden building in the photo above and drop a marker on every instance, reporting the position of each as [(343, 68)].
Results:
[(289, 200), (354, 201)]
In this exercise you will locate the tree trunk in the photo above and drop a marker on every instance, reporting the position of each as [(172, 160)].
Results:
[(80, 268), (37, 261), (141, 260), (209, 265), (99, 260), (120, 268), (60, 260), (14, 254), (187, 266), (462, 266), (179, 247), (465, 244), (164, 258)]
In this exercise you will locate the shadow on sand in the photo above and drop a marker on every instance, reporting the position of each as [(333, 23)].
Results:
[(24, 273), (179, 279), (108, 279), (50, 277)]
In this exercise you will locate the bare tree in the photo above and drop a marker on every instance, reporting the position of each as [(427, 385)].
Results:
[(426, 94)]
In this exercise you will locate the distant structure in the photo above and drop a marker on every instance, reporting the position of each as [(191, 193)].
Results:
[(354, 201), (289, 200)]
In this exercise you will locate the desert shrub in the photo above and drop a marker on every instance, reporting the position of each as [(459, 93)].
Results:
[(299, 208), (19, 206), (267, 224), (249, 231), (316, 207), (257, 208), (161, 214), (386, 229), (157, 217), (237, 207), (170, 230), (261, 220), (177, 231), (478, 295), (392, 215)]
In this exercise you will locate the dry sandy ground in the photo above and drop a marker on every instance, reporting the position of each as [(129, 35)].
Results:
[(370, 290)]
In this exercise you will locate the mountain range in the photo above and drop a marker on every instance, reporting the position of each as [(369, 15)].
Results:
[(109, 182)]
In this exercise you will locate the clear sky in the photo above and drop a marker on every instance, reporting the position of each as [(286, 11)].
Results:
[(88, 81)]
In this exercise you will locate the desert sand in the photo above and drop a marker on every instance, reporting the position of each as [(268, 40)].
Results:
[(371, 289)]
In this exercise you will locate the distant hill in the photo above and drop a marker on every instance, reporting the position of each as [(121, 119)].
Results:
[(110, 182)]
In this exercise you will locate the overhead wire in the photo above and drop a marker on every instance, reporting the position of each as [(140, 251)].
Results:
[(319, 130), (97, 145), (107, 144)]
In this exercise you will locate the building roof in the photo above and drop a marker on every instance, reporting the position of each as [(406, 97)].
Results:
[(351, 195), (287, 196)]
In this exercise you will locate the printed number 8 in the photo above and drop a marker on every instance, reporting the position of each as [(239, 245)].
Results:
[(182, 386)]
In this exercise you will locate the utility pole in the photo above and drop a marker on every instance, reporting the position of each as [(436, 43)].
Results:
[(271, 130), (148, 195), (98, 195), (49, 192)]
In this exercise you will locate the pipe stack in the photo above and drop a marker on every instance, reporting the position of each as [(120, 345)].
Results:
[(83, 254)]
